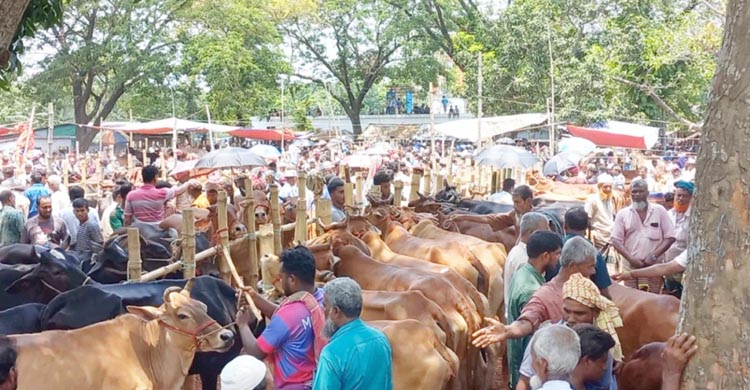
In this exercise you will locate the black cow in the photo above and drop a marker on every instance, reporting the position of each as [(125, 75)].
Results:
[(112, 263), (18, 254), (39, 283), (91, 304), (484, 207), (21, 319)]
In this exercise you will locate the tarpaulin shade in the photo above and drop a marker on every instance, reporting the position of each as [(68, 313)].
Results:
[(263, 134), (618, 134), (166, 126)]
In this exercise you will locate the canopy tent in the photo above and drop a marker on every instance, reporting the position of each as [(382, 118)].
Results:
[(263, 134), (166, 126), (618, 134), (374, 131), (491, 127)]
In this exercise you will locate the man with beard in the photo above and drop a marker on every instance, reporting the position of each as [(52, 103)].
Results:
[(543, 249), (44, 228), (358, 356), (294, 337), (600, 210), (680, 216), (643, 232)]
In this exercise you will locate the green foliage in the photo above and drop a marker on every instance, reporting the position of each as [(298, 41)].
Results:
[(39, 14)]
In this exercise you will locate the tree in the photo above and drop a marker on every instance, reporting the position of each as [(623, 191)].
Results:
[(352, 43), (21, 19), (715, 305), (102, 49)]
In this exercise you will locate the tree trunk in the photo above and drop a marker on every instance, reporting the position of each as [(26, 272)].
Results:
[(353, 115), (716, 303), (12, 12)]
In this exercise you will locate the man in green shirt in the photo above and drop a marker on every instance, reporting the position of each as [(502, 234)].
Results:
[(117, 218), (543, 249), (11, 220), (357, 357)]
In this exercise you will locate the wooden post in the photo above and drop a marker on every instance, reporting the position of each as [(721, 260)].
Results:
[(65, 169), (359, 188), (163, 167), (128, 155), (415, 179), (188, 244), (99, 170), (84, 169), (438, 183), (276, 219), (427, 182), (324, 212), (266, 238), (145, 152), (300, 231), (398, 188), (221, 210), (134, 255), (251, 277), (348, 196)]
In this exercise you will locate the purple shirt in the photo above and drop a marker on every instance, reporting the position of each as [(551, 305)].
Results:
[(288, 340), (146, 204)]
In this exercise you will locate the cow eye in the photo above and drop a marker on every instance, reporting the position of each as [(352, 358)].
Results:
[(183, 316)]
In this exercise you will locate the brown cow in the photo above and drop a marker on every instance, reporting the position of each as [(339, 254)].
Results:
[(149, 349), (373, 275), (491, 255), (420, 360), (643, 370), (381, 252), (403, 305), (646, 317), (453, 255)]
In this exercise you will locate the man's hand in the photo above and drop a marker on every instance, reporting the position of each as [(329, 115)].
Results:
[(623, 276), (494, 332), (679, 350), (243, 316), (636, 263)]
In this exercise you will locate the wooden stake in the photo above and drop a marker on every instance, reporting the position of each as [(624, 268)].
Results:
[(221, 210), (145, 152), (276, 219), (252, 276), (349, 195), (134, 255), (300, 232), (188, 244), (427, 182), (438, 183), (398, 188), (360, 191), (415, 179), (266, 238)]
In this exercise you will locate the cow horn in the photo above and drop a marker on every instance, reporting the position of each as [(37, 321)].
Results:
[(321, 224), (169, 292), (189, 285)]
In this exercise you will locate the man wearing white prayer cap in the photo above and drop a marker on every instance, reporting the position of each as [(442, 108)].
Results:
[(601, 211), (245, 372)]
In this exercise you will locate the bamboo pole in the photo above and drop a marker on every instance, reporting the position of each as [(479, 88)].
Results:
[(359, 188), (145, 152), (163, 164), (84, 169), (324, 212), (300, 233), (398, 188), (188, 244), (265, 239), (252, 276), (276, 219), (223, 235), (415, 179), (427, 179), (438, 183), (128, 155), (65, 168), (134, 255)]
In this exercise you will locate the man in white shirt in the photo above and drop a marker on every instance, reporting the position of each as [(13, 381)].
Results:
[(289, 189), (600, 209), (504, 196), (60, 198), (517, 257), (555, 352), (688, 174)]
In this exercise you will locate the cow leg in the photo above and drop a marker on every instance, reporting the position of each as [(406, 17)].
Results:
[(209, 381)]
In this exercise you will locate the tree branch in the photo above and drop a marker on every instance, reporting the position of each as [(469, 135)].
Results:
[(651, 92)]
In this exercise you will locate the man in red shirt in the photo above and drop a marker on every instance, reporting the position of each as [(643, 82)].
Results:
[(146, 204)]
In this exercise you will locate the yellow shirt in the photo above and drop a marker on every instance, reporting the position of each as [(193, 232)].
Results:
[(201, 202)]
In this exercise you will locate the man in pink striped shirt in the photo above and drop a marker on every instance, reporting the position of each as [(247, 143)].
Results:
[(642, 233), (146, 204)]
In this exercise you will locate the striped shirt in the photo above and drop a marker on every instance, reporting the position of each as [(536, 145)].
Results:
[(146, 204), (89, 237)]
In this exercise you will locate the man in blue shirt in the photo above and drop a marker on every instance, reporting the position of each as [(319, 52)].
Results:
[(357, 357), (36, 191), (576, 223)]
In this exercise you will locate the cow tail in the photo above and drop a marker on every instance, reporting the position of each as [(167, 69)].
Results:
[(447, 355), (483, 276)]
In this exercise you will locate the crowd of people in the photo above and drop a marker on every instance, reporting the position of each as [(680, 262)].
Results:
[(560, 323)]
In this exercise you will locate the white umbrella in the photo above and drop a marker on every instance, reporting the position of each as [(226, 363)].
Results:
[(230, 158), (561, 162), (577, 145), (504, 156), (357, 161), (265, 151)]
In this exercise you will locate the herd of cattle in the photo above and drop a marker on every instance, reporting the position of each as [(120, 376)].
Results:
[(427, 288)]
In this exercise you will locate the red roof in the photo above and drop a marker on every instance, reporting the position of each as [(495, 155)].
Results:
[(602, 137), (263, 134)]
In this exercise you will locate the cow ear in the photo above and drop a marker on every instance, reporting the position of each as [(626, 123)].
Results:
[(146, 313)]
